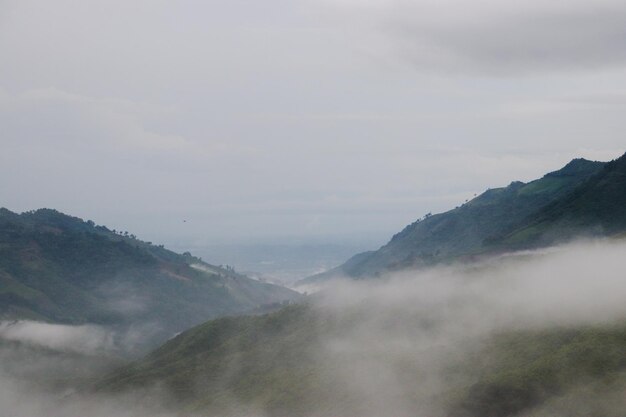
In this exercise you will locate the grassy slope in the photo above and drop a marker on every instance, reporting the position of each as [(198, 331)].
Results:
[(239, 364), (271, 364), (520, 371), (594, 208), (58, 268)]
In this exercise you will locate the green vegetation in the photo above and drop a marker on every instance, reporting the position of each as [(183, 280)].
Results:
[(276, 365), (238, 364), (304, 360), (473, 229), (58, 268), (582, 199), (594, 208), (522, 370)]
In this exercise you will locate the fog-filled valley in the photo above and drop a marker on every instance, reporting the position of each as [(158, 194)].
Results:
[(511, 304), (282, 261), (312, 208), (531, 333)]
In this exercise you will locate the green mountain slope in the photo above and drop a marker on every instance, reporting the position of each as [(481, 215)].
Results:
[(58, 268), (594, 208), (276, 365), (238, 365), (471, 229), (574, 371)]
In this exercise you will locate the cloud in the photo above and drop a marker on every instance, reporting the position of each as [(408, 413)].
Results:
[(489, 37), (68, 120), (84, 339), (557, 286), (138, 115), (396, 346), (400, 337)]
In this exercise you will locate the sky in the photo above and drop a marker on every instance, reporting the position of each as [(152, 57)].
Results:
[(240, 120)]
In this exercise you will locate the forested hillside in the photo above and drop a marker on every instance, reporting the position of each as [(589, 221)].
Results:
[(583, 199), (62, 269)]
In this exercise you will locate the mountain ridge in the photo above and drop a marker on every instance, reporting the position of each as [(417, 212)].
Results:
[(488, 224)]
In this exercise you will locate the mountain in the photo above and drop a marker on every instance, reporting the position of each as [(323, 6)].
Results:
[(279, 365), (584, 198), (237, 365), (61, 269), (437, 344), (595, 208)]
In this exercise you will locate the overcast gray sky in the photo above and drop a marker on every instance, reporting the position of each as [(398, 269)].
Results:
[(255, 119)]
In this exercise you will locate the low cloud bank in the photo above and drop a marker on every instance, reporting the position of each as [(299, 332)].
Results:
[(19, 402), (87, 339), (400, 343), (84, 339), (403, 336), (581, 283)]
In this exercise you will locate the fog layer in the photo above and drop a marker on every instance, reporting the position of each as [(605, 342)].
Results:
[(409, 344), (413, 339)]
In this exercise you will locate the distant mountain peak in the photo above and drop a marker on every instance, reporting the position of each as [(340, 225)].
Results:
[(576, 166)]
